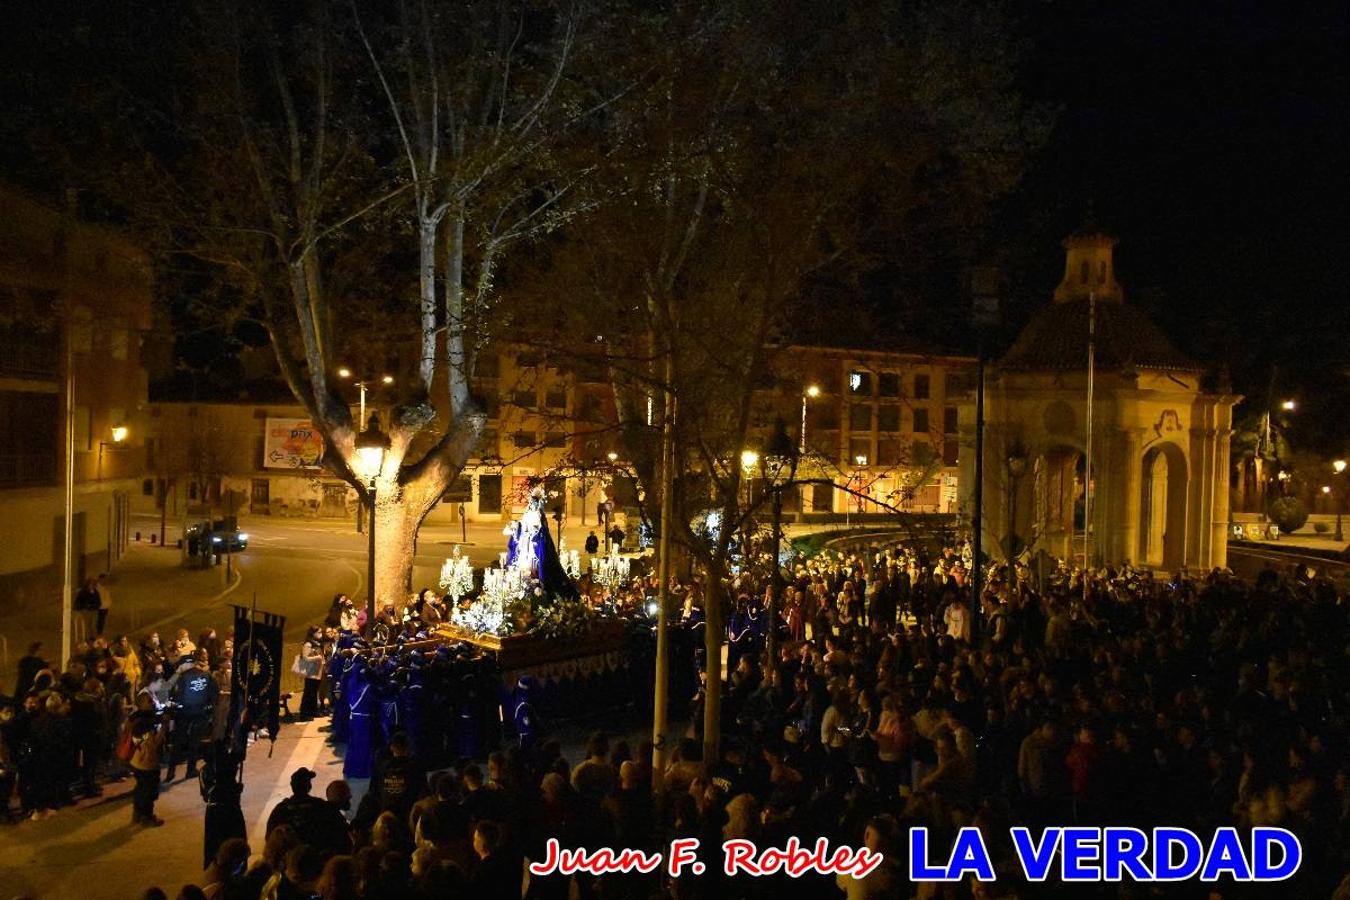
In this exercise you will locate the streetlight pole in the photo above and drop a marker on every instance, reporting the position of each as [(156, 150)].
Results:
[(371, 445), (661, 700), (779, 466), (1017, 466), (344, 373), (812, 391), (68, 537), (1339, 467)]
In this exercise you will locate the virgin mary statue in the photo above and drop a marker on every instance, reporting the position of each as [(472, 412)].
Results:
[(530, 549)]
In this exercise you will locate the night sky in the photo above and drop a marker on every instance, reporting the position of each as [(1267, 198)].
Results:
[(1209, 137)]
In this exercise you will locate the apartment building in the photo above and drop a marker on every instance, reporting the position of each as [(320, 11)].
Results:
[(74, 305)]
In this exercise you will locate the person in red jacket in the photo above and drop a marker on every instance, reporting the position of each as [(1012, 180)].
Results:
[(1084, 762)]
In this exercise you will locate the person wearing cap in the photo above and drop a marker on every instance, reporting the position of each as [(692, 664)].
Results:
[(320, 823)]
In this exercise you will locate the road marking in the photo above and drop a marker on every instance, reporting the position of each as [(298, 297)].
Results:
[(238, 580), (360, 577), (308, 746)]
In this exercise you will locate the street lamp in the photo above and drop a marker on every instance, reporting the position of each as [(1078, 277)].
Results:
[(371, 446), (779, 468), (344, 372), (812, 391), (1017, 467), (119, 434), (1288, 406), (1339, 467)]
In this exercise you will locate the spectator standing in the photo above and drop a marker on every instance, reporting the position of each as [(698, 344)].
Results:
[(149, 731), (195, 693), (29, 666), (104, 603), (310, 666)]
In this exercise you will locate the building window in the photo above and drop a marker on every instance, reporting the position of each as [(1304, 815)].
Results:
[(921, 387), (860, 382), (148, 489), (920, 421), (950, 451), (523, 439), (860, 447), (888, 418), (30, 429), (888, 384), (556, 399), (1101, 273), (555, 439), (1083, 272), (588, 408), (888, 453), (823, 415), (949, 420), (860, 417), (489, 493), (460, 490), (523, 399)]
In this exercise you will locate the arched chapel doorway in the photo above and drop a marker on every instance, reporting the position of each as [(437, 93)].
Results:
[(1162, 508)]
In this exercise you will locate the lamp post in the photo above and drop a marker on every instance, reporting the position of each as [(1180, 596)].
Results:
[(608, 505), (779, 467), (749, 460), (371, 446), (119, 434), (1017, 467), (345, 373), (812, 391), (1339, 467)]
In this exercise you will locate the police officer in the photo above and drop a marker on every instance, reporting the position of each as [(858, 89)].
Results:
[(195, 694)]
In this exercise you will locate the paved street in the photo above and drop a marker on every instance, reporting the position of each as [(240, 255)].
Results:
[(92, 851), (293, 567)]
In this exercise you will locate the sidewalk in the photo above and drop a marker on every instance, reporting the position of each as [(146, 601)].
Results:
[(92, 851), (149, 586)]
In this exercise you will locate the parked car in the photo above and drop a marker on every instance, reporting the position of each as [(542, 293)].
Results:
[(222, 536)]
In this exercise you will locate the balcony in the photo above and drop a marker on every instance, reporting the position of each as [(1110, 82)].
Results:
[(19, 470), (31, 355)]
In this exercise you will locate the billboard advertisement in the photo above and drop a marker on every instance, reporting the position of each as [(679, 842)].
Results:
[(292, 444)]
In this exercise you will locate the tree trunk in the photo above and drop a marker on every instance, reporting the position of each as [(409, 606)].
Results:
[(712, 702), (396, 525)]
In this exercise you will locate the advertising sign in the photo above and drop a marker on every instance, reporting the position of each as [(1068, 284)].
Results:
[(292, 444)]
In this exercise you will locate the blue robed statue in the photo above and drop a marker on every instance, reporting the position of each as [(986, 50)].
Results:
[(529, 546)]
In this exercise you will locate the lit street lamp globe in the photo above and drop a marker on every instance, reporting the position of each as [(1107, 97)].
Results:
[(371, 445)]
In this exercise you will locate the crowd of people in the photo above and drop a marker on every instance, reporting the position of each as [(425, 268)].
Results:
[(1112, 696), (114, 710)]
